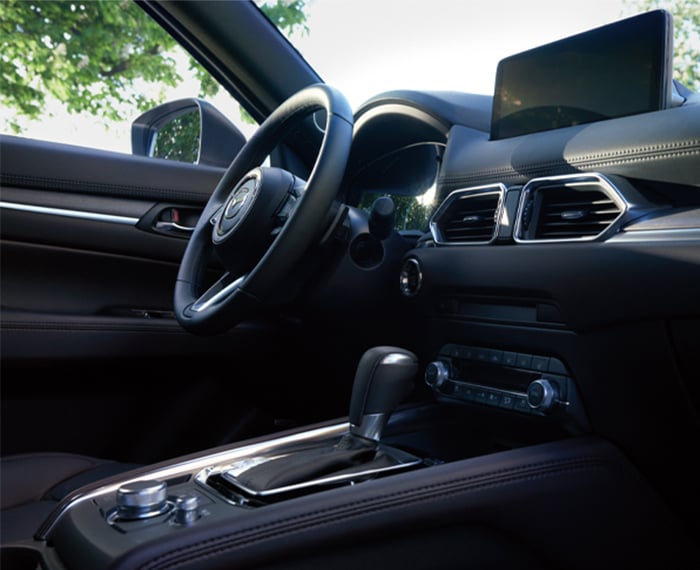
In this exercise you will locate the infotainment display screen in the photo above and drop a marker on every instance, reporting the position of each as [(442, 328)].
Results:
[(620, 69)]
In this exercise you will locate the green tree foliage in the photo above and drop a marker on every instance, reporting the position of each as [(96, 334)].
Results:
[(95, 56), (287, 15), (686, 36), (88, 55), (411, 212)]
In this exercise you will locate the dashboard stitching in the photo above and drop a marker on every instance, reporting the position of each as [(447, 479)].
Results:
[(606, 159)]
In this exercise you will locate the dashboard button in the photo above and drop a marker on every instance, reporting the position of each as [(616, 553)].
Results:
[(481, 354), (524, 360), (481, 395), (495, 356), (468, 393), (493, 398), (467, 352), (540, 363), (507, 401), (556, 366), (521, 405), (509, 358)]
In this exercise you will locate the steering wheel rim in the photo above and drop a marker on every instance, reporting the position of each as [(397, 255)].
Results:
[(234, 298)]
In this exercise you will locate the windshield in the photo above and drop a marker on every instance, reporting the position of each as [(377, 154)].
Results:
[(365, 47), (79, 88)]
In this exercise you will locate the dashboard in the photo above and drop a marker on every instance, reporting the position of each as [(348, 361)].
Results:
[(555, 282)]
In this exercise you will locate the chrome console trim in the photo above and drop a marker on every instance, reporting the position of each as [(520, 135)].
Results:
[(402, 460), (189, 467)]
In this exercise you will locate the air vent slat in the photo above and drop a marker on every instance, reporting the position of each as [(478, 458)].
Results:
[(570, 209), (571, 213), (579, 203), (468, 216)]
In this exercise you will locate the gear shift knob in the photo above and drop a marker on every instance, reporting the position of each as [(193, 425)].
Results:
[(384, 377)]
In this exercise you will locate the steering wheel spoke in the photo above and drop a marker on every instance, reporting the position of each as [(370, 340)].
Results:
[(218, 293)]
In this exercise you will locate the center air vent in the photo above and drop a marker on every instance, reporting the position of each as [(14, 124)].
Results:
[(568, 208), (468, 216)]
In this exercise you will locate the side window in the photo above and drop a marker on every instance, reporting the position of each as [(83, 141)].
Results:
[(82, 72)]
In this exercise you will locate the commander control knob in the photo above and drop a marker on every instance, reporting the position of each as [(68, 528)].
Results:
[(436, 373), (542, 395), (142, 499)]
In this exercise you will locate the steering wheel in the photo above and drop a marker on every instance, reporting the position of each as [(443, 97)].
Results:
[(259, 221)]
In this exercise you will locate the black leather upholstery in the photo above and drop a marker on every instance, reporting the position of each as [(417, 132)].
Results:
[(31, 484), (575, 504)]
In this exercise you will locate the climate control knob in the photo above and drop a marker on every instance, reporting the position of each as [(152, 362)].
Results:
[(436, 373), (542, 395)]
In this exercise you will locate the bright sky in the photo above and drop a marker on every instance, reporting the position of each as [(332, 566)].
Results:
[(445, 44), (456, 44)]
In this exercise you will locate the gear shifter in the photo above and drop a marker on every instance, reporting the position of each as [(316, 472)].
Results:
[(384, 377)]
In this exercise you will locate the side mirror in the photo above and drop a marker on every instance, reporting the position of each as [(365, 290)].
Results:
[(187, 130)]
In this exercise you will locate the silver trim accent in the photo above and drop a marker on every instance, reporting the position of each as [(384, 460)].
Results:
[(116, 514), (145, 494), (230, 472), (173, 226), (463, 194), (549, 395), (442, 374), (186, 509), (596, 180), (204, 302), (188, 468), (91, 216), (371, 427)]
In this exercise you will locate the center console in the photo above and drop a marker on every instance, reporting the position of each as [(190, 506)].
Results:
[(104, 526), (326, 494)]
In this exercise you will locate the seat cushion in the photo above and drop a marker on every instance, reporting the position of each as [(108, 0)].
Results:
[(27, 478)]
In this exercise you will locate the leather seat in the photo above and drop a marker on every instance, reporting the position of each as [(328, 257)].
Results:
[(31, 485)]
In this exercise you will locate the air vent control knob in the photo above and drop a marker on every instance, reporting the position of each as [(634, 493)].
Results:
[(436, 373), (542, 395)]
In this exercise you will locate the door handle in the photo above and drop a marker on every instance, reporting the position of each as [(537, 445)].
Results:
[(172, 220), (173, 227)]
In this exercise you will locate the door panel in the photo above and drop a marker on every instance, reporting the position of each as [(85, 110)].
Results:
[(74, 241), (91, 355)]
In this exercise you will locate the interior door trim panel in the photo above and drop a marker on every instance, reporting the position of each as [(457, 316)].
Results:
[(67, 337), (68, 168)]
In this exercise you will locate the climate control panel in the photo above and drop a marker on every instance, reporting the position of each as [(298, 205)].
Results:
[(522, 383)]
